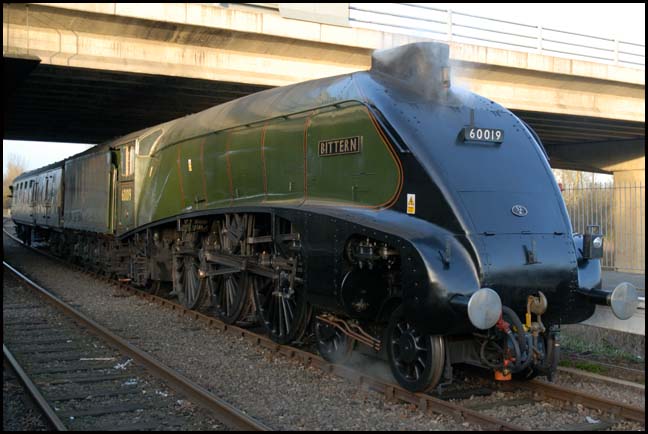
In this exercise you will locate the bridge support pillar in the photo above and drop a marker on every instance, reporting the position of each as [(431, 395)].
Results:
[(628, 237)]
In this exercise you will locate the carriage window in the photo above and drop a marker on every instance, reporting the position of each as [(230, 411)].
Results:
[(128, 159)]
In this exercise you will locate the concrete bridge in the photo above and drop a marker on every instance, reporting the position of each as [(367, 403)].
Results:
[(88, 72)]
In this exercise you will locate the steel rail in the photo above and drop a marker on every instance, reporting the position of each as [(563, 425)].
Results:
[(616, 381), (565, 394), (391, 391), (225, 412), (33, 391)]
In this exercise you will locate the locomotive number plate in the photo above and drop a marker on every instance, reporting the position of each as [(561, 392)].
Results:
[(489, 135)]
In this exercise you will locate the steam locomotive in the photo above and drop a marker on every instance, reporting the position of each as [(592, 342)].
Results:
[(384, 207)]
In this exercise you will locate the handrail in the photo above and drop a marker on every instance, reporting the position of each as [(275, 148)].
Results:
[(561, 43)]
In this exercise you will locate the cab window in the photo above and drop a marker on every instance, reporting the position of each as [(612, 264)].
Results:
[(128, 159)]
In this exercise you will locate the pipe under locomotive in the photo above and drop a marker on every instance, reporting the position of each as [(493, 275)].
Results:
[(386, 207)]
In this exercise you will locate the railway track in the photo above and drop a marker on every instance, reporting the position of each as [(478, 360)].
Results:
[(476, 414), (85, 377), (631, 376)]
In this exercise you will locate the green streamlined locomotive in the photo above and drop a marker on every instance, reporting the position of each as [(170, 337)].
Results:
[(384, 207)]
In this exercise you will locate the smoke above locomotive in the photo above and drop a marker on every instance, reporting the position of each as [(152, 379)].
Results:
[(384, 207)]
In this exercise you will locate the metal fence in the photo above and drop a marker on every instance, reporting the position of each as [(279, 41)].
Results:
[(426, 21), (620, 211)]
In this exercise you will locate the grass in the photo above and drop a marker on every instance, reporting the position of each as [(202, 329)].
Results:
[(601, 347), (584, 366)]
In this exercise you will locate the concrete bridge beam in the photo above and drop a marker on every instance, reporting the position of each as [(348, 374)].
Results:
[(229, 44)]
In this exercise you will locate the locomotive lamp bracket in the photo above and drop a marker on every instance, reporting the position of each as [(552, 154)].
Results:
[(446, 254), (531, 254)]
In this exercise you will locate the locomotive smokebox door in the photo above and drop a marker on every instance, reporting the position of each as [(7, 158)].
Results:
[(593, 242)]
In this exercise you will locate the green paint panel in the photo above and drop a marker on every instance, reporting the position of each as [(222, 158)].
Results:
[(284, 159), (246, 165), (229, 169), (142, 167), (217, 179), (164, 194), (146, 171), (369, 177)]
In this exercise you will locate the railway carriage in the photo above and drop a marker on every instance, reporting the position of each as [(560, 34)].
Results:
[(384, 207)]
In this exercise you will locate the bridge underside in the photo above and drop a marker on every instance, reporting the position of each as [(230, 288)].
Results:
[(65, 104)]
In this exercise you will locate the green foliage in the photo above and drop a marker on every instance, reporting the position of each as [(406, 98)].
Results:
[(15, 166), (573, 344), (584, 366)]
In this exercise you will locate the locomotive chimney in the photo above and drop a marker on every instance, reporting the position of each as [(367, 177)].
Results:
[(424, 67)]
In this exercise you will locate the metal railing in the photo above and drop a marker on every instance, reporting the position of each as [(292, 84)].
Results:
[(620, 210), (426, 21)]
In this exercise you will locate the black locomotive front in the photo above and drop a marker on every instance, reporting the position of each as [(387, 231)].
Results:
[(489, 260)]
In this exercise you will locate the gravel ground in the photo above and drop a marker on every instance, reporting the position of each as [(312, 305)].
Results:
[(17, 411), (524, 408), (280, 392), (537, 415), (168, 410), (628, 395)]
